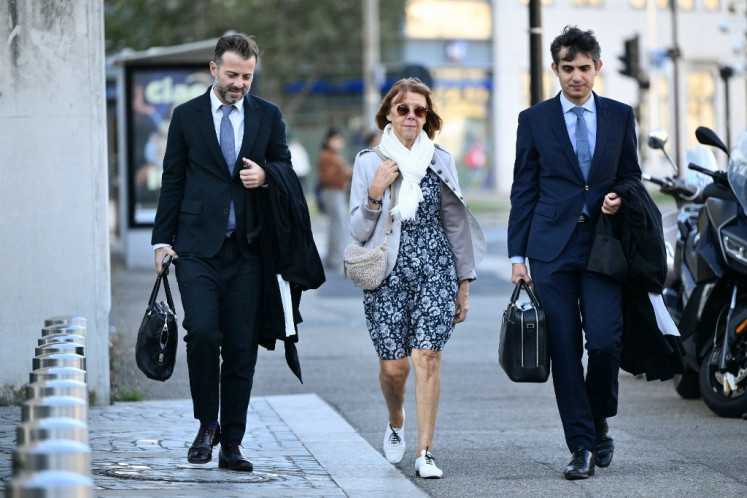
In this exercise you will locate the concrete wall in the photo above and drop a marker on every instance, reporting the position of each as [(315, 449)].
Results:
[(54, 249)]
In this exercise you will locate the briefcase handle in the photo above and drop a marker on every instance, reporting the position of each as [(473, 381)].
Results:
[(517, 291), (162, 276)]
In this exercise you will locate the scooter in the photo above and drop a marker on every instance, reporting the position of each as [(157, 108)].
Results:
[(708, 297)]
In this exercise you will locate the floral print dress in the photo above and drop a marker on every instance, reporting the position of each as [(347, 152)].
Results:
[(413, 308)]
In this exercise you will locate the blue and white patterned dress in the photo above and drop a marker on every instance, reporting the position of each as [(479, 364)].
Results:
[(413, 308)]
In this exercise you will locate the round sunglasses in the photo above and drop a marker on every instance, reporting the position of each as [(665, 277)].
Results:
[(404, 110)]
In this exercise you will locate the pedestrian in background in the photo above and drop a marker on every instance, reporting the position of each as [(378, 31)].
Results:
[(432, 251), (334, 178), (570, 150), (224, 152)]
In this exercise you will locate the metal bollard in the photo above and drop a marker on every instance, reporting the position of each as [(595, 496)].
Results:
[(52, 454), (63, 329), (60, 347), (59, 360), (54, 406), (57, 387), (52, 428), (50, 373), (54, 338), (65, 320), (50, 483)]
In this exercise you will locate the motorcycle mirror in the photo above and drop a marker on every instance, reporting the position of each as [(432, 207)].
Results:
[(657, 139), (707, 136)]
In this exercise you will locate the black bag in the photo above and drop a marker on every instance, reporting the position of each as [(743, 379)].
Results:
[(157, 339), (524, 349)]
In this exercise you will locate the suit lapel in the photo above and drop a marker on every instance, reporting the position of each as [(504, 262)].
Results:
[(559, 128), (603, 123), (251, 127), (207, 128)]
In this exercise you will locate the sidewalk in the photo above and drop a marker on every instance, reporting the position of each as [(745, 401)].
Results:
[(298, 444)]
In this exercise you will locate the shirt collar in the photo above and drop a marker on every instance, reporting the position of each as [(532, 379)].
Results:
[(215, 102), (590, 105)]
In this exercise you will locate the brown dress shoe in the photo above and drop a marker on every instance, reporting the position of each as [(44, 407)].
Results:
[(230, 457), (581, 465), (201, 450), (605, 445)]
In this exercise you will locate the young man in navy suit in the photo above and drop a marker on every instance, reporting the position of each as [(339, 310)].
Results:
[(570, 150), (209, 216)]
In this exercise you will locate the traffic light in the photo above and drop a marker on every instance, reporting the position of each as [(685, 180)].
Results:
[(630, 59)]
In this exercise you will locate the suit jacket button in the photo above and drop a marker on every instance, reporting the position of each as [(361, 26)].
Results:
[(586, 187), (446, 180), (440, 171), (225, 211), (433, 161)]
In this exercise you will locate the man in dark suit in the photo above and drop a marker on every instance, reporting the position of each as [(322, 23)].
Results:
[(219, 146), (569, 152)]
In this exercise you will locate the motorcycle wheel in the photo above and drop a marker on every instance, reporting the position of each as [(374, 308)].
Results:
[(687, 384), (729, 405)]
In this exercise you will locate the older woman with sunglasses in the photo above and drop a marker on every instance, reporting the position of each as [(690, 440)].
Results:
[(432, 251)]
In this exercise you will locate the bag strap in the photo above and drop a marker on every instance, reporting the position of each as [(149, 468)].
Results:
[(517, 291), (156, 287), (393, 202)]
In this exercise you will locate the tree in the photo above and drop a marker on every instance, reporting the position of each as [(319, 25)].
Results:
[(301, 40)]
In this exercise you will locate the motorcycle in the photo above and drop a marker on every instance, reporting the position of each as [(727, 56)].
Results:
[(707, 296)]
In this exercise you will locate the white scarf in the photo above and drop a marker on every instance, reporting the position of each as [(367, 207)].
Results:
[(412, 164)]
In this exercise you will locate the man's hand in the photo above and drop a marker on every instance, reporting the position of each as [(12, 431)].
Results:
[(519, 271), (252, 175), (462, 302), (161, 252), (611, 204)]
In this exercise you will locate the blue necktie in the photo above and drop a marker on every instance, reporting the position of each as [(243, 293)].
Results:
[(583, 151), (228, 148), (227, 141)]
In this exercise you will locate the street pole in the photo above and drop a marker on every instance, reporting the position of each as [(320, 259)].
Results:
[(535, 51), (371, 61), (675, 55), (727, 72)]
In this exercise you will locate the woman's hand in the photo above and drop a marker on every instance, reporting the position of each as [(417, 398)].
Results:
[(385, 174), (462, 302)]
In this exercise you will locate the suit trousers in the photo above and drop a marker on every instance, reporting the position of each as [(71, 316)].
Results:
[(220, 296), (574, 300)]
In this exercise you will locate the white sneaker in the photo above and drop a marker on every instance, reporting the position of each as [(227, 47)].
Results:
[(425, 466), (394, 443)]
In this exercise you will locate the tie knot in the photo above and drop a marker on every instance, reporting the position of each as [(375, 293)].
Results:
[(578, 110), (226, 109)]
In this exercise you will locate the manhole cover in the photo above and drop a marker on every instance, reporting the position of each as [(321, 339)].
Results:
[(148, 470)]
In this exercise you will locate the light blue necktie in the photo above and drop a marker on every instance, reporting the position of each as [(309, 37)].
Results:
[(583, 151), (228, 148), (227, 141)]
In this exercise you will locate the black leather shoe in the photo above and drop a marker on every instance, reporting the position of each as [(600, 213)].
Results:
[(201, 450), (230, 457), (605, 445), (581, 465)]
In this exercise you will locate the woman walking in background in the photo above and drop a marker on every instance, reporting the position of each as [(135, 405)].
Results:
[(334, 177)]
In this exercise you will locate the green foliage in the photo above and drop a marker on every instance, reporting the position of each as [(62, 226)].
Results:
[(300, 40), (126, 395)]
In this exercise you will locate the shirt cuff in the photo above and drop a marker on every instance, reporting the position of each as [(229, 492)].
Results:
[(158, 246), (517, 259)]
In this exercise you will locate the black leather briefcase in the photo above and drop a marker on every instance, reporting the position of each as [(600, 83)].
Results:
[(524, 350)]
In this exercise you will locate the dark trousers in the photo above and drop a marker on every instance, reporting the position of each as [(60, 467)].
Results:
[(220, 297), (574, 299)]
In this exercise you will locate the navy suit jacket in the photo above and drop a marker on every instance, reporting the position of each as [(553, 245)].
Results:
[(549, 192), (197, 188)]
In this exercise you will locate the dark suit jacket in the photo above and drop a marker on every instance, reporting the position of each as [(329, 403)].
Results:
[(197, 189), (549, 191)]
